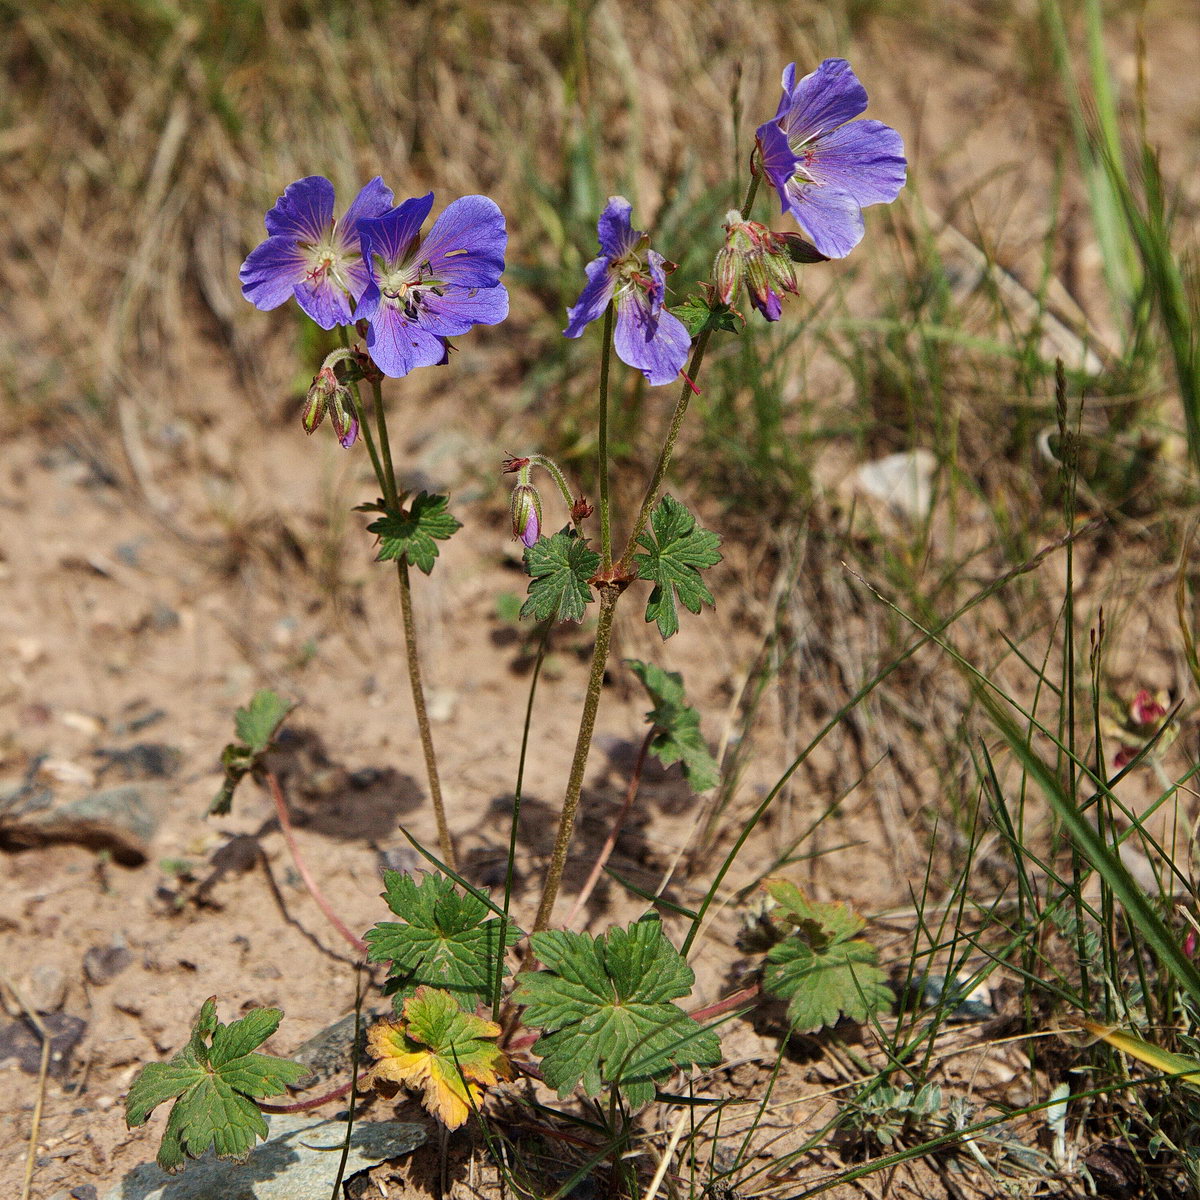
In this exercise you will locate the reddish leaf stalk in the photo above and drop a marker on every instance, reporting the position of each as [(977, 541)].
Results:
[(305, 1105), (285, 825)]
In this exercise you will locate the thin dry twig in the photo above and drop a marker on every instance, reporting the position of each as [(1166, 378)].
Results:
[(43, 1072), (285, 825)]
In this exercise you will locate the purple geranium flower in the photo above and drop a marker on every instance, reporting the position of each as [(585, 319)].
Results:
[(311, 256), (826, 166), (647, 336), (423, 291)]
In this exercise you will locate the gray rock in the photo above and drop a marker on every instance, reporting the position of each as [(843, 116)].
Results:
[(121, 820), (45, 988), (20, 1040), (143, 760), (285, 1167), (327, 1054), (102, 964)]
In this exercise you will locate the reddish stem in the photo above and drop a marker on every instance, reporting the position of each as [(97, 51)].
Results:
[(630, 794), (289, 836), (723, 1006), (305, 1105)]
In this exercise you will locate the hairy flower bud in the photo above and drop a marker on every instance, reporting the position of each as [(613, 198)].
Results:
[(526, 511), (341, 413), (324, 385)]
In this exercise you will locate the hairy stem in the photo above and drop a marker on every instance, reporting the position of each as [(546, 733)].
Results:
[(289, 836), (386, 475), (566, 821), (664, 458), (423, 725), (602, 447), (681, 406)]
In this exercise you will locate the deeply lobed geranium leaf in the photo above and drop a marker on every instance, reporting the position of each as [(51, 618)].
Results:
[(437, 1049), (257, 722), (678, 739), (605, 1008), (213, 1080), (700, 312), (415, 532), (560, 567), (677, 549), (256, 726), (820, 967), (448, 939)]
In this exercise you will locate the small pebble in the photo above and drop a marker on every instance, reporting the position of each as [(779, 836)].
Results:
[(102, 964), (45, 988)]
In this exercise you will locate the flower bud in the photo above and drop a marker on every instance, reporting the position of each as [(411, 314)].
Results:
[(345, 424), (324, 384), (526, 511)]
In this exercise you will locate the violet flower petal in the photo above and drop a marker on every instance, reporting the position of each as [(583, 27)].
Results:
[(778, 159), (460, 308), (398, 345), (324, 301), (656, 347), (617, 235), (658, 281), (394, 233), (864, 158), (530, 533), (304, 211), (771, 306), (823, 100), (594, 298), (271, 272), (467, 242), (831, 216), (372, 201)]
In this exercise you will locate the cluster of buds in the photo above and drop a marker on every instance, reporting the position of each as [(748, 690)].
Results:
[(762, 260), (328, 394)]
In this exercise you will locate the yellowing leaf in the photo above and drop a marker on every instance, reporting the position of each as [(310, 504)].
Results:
[(1182, 1065), (438, 1049)]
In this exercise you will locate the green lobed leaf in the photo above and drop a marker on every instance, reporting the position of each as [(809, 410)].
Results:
[(560, 567), (213, 1081), (678, 739), (821, 968), (257, 722), (677, 549), (448, 940), (256, 726), (698, 313), (414, 533), (605, 1009)]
